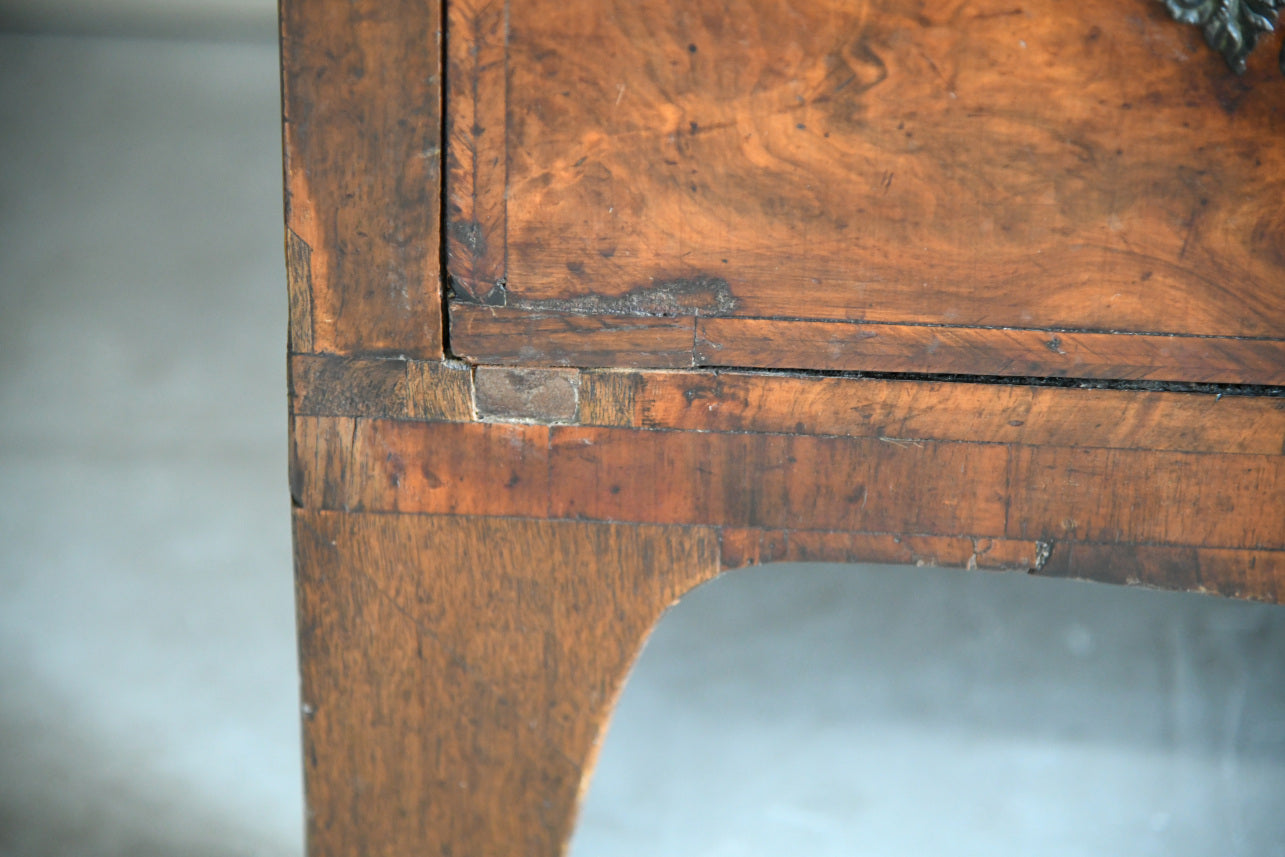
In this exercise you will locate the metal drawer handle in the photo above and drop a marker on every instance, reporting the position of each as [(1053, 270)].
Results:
[(1232, 27)]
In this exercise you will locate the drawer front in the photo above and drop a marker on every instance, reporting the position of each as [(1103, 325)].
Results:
[(889, 186)]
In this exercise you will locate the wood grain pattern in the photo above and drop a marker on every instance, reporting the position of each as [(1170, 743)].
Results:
[(439, 390), (1233, 573), (1171, 498), (934, 410), (330, 385), (637, 186), (358, 465), (941, 350), (977, 167), (510, 337), (476, 167), (299, 292), (743, 547), (609, 397), (906, 487), (458, 672), (359, 386), (760, 402), (362, 125), (516, 337), (777, 481), (458, 625)]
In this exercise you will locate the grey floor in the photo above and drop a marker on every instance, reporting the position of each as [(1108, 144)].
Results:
[(147, 673)]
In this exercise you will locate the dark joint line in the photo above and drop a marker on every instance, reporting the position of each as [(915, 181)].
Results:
[(1219, 390), (443, 194)]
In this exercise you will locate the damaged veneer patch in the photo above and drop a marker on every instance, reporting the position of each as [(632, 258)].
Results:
[(545, 396)]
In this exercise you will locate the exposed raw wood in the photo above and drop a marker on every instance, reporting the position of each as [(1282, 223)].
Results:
[(536, 395), (458, 672), (362, 107)]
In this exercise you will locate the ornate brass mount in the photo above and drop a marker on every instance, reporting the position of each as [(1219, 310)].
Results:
[(1232, 27)]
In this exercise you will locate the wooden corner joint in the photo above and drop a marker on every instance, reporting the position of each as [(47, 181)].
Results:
[(541, 396)]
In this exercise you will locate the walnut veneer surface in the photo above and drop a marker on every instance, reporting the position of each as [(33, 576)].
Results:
[(979, 284), (890, 186)]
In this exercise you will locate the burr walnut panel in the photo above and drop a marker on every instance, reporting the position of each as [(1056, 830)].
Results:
[(984, 166)]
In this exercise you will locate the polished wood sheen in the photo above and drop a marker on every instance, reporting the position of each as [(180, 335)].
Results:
[(889, 185), (361, 208), (740, 282)]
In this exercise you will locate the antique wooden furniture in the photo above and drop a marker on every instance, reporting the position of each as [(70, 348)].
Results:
[(684, 285)]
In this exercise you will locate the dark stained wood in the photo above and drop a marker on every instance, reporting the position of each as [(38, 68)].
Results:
[(330, 385), (326, 385), (515, 337), (972, 351), (735, 480), (777, 481), (488, 651), (458, 672), (1069, 173), (299, 289), (1234, 573), (362, 108)]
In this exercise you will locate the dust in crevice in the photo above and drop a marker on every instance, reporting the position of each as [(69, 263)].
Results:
[(700, 295)]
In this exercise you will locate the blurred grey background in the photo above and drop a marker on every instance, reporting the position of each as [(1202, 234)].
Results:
[(148, 688)]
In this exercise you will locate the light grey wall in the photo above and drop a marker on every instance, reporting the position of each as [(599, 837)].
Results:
[(197, 19)]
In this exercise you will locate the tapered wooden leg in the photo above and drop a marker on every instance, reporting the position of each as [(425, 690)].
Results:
[(458, 671)]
